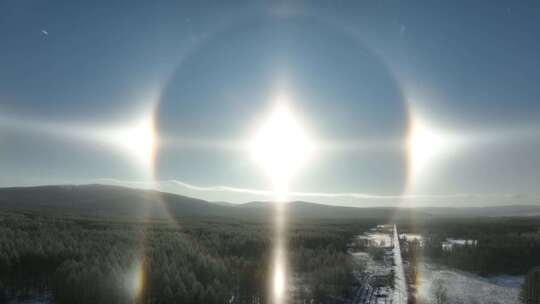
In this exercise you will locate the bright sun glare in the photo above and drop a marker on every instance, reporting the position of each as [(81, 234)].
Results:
[(137, 139), (281, 146), (427, 144)]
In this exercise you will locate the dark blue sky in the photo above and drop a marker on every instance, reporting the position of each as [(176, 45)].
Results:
[(357, 72)]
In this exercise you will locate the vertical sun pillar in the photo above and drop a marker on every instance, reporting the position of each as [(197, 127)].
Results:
[(280, 147)]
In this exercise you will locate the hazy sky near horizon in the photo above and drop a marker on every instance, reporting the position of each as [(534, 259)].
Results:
[(357, 73)]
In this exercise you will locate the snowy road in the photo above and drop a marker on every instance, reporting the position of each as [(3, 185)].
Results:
[(400, 285), (372, 292)]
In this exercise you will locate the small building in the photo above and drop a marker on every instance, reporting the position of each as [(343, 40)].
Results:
[(451, 243), (376, 239), (412, 238)]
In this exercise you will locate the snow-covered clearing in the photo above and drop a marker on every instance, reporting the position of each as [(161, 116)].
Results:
[(464, 287)]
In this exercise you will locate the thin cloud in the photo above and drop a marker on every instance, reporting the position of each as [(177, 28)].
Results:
[(402, 29), (354, 195)]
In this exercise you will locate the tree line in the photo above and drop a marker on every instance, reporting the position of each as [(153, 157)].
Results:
[(504, 245)]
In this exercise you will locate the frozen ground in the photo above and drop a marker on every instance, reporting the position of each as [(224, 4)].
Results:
[(464, 287), (400, 285)]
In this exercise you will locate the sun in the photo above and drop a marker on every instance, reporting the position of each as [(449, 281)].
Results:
[(281, 146), (427, 145), (138, 139)]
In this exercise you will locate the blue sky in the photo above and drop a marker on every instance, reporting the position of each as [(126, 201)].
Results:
[(357, 72)]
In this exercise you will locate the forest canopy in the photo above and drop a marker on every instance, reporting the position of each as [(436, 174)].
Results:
[(210, 260)]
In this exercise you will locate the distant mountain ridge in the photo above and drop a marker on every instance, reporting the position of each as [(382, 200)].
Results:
[(116, 201), (105, 200)]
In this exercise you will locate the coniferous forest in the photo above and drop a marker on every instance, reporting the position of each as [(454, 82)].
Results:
[(212, 260), (508, 245)]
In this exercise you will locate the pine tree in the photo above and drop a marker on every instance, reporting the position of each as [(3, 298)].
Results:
[(530, 290), (439, 293)]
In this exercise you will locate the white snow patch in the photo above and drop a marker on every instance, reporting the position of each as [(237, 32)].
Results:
[(464, 287)]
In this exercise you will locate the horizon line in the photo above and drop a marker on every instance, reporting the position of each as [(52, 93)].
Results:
[(426, 200)]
